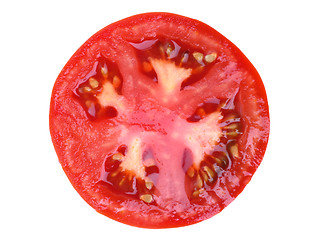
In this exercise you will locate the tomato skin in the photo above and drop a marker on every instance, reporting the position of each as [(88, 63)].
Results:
[(69, 125)]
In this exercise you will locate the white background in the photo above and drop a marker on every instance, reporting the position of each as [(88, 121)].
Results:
[(291, 44)]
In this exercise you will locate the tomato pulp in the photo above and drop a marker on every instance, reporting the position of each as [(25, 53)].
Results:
[(159, 121)]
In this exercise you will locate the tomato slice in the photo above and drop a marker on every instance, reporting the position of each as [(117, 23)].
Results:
[(159, 121)]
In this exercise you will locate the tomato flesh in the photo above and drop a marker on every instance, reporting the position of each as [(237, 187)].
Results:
[(159, 121)]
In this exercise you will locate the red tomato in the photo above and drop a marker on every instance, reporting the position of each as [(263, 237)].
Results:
[(159, 121)]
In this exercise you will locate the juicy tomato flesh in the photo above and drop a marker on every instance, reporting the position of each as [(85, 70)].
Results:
[(159, 121)]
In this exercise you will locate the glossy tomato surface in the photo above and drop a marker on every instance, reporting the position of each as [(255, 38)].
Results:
[(159, 121)]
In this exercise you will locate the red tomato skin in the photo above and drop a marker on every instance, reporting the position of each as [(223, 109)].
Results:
[(150, 216)]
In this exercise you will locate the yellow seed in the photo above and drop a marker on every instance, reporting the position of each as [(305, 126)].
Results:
[(121, 182), (87, 89), (232, 126), (93, 82), (184, 58), (104, 71), (234, 150), (199, 183), (210, 57), (117, 156), (191, 172), (196, 194), (116, 81), (114, 174), (149, 185), (198, 56), (204, 176), (221, 161), (146, 198), (232, 134), (230, 117), (169, 50), (218, 160), (209, 172)]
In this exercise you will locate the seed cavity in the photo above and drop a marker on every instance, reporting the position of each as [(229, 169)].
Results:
[(172, 52), (126, 173), (96, 93), (204, 173)]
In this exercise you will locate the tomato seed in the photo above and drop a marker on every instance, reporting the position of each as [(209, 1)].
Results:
[(204, 176), (210, 173), (196, 194), (232, 134), (185, 57), (199, 182), (148, 198), (117, 156), (198, 56), (104, 71), (86, 89), (191, 172), (169, 50), (232, 126), (116, 81), (220, 159), (93, 82), (231, 116), (122, 181), (148, 185), (234, 150), (114, 174), (210, 57)]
